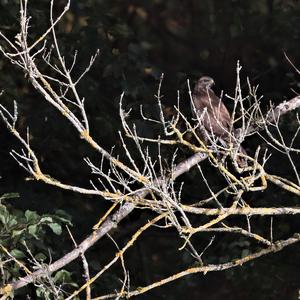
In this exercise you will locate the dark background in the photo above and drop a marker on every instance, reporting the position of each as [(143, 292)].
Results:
[(139, 40)]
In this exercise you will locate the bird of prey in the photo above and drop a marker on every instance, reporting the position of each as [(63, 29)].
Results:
[(213, 115)]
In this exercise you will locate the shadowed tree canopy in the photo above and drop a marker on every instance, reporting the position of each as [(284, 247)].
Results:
[(138, 40)]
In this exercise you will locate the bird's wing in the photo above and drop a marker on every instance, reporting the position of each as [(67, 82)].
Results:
[(219, 110), (217, 118)]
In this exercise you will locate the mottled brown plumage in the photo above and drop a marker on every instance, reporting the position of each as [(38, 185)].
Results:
[(216, 119), (212, 112)]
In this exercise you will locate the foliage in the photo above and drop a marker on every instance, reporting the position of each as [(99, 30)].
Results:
[(28, 236)]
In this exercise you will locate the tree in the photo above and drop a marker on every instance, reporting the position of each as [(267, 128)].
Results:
[(147, 180)]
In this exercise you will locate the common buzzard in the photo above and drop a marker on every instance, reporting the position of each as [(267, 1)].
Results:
[(213, 115)]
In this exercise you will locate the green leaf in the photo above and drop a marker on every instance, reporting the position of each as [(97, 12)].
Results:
[(12, 221), (56, 228), (46, 220), (62, 276), (17, 253), (63, 216), (31, 215), (33, 229), (40, 257), (9, 196), (4, 214), (43, 293), (16, 233)]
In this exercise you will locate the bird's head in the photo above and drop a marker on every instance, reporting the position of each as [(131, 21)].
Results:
[(204, 82)]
